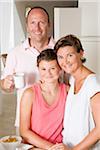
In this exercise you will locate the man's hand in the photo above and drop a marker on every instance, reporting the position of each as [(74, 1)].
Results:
[(7, 84)]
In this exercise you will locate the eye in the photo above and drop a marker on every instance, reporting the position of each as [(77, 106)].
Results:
[(33, 22), (43, 69), (60, 57), (43, 23), (52, 68), (70, 55)]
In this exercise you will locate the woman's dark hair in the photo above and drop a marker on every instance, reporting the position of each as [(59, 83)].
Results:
[(48, 55), (70, 40), (38, 7)]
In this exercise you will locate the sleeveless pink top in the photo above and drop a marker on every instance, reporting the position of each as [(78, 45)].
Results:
[(46, 120)]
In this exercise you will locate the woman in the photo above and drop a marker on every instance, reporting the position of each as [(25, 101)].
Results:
[(42, 109), (82, 112)]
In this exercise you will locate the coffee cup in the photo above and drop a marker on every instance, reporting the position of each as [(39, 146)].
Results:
[(19, 80)]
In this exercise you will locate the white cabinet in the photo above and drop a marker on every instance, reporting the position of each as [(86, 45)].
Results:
[(90, 45), (90, 32), (89, 18), (67, 21)]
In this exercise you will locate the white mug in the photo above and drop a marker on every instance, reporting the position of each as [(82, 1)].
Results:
[(19, 80)]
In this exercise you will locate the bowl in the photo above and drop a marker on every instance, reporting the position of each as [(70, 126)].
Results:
[(10, 142)]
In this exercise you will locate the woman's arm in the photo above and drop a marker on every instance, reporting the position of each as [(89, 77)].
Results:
[(26, 109), (94, 135)]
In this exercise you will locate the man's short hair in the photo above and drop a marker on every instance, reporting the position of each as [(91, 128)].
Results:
[(38, 7)]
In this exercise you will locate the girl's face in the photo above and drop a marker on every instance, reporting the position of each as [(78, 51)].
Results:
[(69, 60), (49, 70)]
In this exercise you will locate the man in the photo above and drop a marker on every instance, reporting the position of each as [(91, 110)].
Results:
[(23, 57)]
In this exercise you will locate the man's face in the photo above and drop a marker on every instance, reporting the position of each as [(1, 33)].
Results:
[(37, 25)]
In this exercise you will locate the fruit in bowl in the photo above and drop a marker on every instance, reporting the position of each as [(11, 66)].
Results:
[(10, 142)]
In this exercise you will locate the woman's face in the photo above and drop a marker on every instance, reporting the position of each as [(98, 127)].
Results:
[(69, 59)]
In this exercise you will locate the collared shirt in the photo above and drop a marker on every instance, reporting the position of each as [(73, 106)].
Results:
[(24, 59)]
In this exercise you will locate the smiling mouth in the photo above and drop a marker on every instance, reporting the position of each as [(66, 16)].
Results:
[(38, 33), (67, 67), (49, 77)]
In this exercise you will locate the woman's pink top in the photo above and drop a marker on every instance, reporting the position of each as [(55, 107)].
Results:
[(47, 120)]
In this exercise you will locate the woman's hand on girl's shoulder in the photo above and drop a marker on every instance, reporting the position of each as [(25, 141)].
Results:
[(60, 146), (68, 87)]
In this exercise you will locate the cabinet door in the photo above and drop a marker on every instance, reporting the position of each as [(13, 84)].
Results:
[(90, 18), (90, 45), (67, 21)]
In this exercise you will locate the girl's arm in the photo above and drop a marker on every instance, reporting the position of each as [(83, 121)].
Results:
[(26, 108)]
